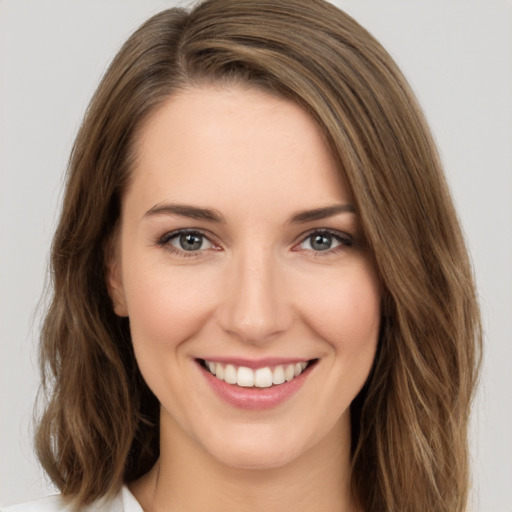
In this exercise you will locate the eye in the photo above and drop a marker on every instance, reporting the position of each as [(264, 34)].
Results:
[(185, 240), (321, 241)]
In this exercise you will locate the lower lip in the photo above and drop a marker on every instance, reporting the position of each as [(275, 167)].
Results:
[(255, 398)]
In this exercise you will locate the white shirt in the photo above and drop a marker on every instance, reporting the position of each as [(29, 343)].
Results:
[(123, 502)]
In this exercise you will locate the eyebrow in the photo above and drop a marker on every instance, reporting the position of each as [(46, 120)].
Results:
[(321, 213), (194, 212), (184, 210)]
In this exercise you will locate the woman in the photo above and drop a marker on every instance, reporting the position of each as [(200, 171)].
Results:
[(262, 298)]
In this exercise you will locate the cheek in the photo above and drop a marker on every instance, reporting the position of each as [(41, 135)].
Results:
[(345, 310), (167, 307)]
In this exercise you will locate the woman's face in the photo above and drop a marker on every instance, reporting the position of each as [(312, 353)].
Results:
[(240, 253)]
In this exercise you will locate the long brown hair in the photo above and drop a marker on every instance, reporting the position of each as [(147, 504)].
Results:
[(409, 423)]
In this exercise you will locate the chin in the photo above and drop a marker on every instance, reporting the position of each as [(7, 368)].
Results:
[(257, 449), (257, 459)]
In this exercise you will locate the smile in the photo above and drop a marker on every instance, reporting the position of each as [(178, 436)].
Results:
[(253, 385), (264, 377)]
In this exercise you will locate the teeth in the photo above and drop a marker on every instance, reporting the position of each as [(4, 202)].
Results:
[(278, 375), (245, 377), (289, 372), (263, 378), (260, 378), (230, 374)]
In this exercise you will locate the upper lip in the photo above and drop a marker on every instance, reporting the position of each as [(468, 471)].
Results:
[(256, 363)]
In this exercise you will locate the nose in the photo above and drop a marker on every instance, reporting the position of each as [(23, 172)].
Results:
[(254, 307)]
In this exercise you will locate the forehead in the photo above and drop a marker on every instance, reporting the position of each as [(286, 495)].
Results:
[(208, 142)]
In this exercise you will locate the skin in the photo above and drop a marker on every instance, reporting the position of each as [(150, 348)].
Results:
[(256, 288)]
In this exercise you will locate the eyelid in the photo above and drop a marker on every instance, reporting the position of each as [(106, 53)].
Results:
[(345, 240), (164, 241)]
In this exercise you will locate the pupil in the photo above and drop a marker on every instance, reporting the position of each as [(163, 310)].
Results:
[(190, 242), (321, 242)]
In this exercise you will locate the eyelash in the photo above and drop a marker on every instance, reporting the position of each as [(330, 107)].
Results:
[(344, 239), (165, 240)]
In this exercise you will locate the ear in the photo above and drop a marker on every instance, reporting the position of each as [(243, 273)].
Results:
[(114, 280)]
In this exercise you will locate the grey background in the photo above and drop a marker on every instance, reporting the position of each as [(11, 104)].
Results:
[(457, 55)]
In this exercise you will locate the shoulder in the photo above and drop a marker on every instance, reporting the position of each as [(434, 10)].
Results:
[(49, 504), (122, 502)]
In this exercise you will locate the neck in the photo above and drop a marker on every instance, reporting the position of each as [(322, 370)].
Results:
[(187, 477)]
